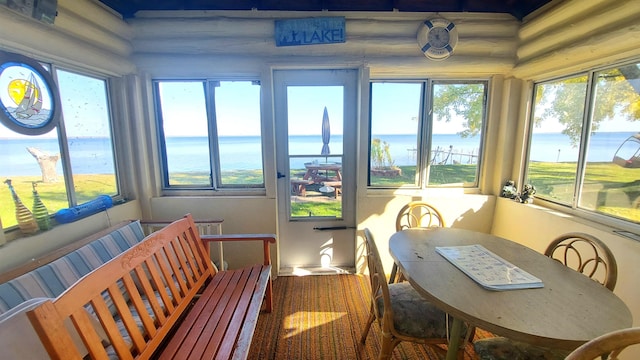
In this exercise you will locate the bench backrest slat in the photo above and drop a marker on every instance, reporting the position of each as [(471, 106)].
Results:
[(145, 317), (177, 262), (159, 285)]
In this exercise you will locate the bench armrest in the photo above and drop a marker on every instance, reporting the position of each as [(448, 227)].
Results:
[(265, 238), (167, 222)]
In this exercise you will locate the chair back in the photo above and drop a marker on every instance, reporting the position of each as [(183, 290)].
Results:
[(419, 214), (378, 280), (611, 344), (586, 254)]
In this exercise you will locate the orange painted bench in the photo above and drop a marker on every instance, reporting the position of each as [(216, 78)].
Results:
[(162, 298)]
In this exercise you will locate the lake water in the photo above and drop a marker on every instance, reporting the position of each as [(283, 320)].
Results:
[(87, 153)]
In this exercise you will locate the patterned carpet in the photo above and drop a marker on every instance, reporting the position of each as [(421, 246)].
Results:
[(322, 317)]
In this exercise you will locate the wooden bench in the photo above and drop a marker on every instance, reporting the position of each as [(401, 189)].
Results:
[(299, 186), (337, 185), (161, 298)]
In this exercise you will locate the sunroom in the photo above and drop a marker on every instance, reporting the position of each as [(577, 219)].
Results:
[(244, 112)]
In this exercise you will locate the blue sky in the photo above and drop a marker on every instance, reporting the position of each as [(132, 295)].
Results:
[(397, 114)]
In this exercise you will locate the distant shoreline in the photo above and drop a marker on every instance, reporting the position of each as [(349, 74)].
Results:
[(243, 152)]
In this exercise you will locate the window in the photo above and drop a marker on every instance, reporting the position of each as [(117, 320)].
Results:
[(210, 134), (87, 123), (441, 146), (584, 147), (69, 165), (555, 140)]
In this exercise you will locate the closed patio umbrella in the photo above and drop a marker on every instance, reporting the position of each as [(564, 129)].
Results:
[(326, 137), (326, 133)]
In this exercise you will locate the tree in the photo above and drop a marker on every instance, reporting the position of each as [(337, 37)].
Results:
[(381, 154), (563, 100), (461, 100), (616, 95)]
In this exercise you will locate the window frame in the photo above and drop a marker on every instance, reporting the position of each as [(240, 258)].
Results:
[(216, 187), (62, 135), (62, 138), (425, 133), (573, 207)]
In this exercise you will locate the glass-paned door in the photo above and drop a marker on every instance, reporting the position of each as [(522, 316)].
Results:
[(315, 126)]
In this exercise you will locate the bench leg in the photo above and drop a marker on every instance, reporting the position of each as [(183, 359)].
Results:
[(268, 297), (299, 189)]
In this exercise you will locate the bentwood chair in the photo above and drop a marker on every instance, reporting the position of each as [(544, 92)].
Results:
[(582, 252), (607, 346), (416, 214), (586, 254), (401, 312)]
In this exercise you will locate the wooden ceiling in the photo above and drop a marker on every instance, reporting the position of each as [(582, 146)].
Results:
[(517, 8)]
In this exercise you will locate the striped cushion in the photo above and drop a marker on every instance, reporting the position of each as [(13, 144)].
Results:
[(52, 279)]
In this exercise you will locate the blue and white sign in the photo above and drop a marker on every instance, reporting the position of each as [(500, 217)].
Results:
[(311, 31)]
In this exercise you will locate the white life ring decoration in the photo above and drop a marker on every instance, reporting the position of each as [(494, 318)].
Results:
[(437, 38)]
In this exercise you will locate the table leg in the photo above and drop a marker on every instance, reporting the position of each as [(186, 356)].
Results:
[(454, 340), (308, 175)]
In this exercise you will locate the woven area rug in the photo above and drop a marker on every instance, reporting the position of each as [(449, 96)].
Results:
[(322, 317)]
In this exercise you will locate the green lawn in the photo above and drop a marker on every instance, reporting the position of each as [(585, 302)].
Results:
[(53, 195), (311, 208), (439, 175), (249, 177), (608, 188)]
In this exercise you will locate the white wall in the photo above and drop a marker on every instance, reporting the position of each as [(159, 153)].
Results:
[(240, 42), (575, 35), (84, 34)]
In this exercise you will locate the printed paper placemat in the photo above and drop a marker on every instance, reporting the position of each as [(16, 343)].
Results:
[(488, 269)]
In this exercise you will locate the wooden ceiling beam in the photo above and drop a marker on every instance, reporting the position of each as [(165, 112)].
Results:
[(518, 8)]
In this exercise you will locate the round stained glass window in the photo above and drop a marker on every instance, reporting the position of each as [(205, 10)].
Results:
[(29, 100)]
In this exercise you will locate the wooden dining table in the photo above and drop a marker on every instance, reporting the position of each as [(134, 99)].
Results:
[(567, 311)]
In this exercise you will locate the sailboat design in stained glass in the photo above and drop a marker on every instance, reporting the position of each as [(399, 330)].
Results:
[(29, 99), (27, 95)]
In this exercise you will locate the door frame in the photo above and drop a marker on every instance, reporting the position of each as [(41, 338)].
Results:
[(341, 232)]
